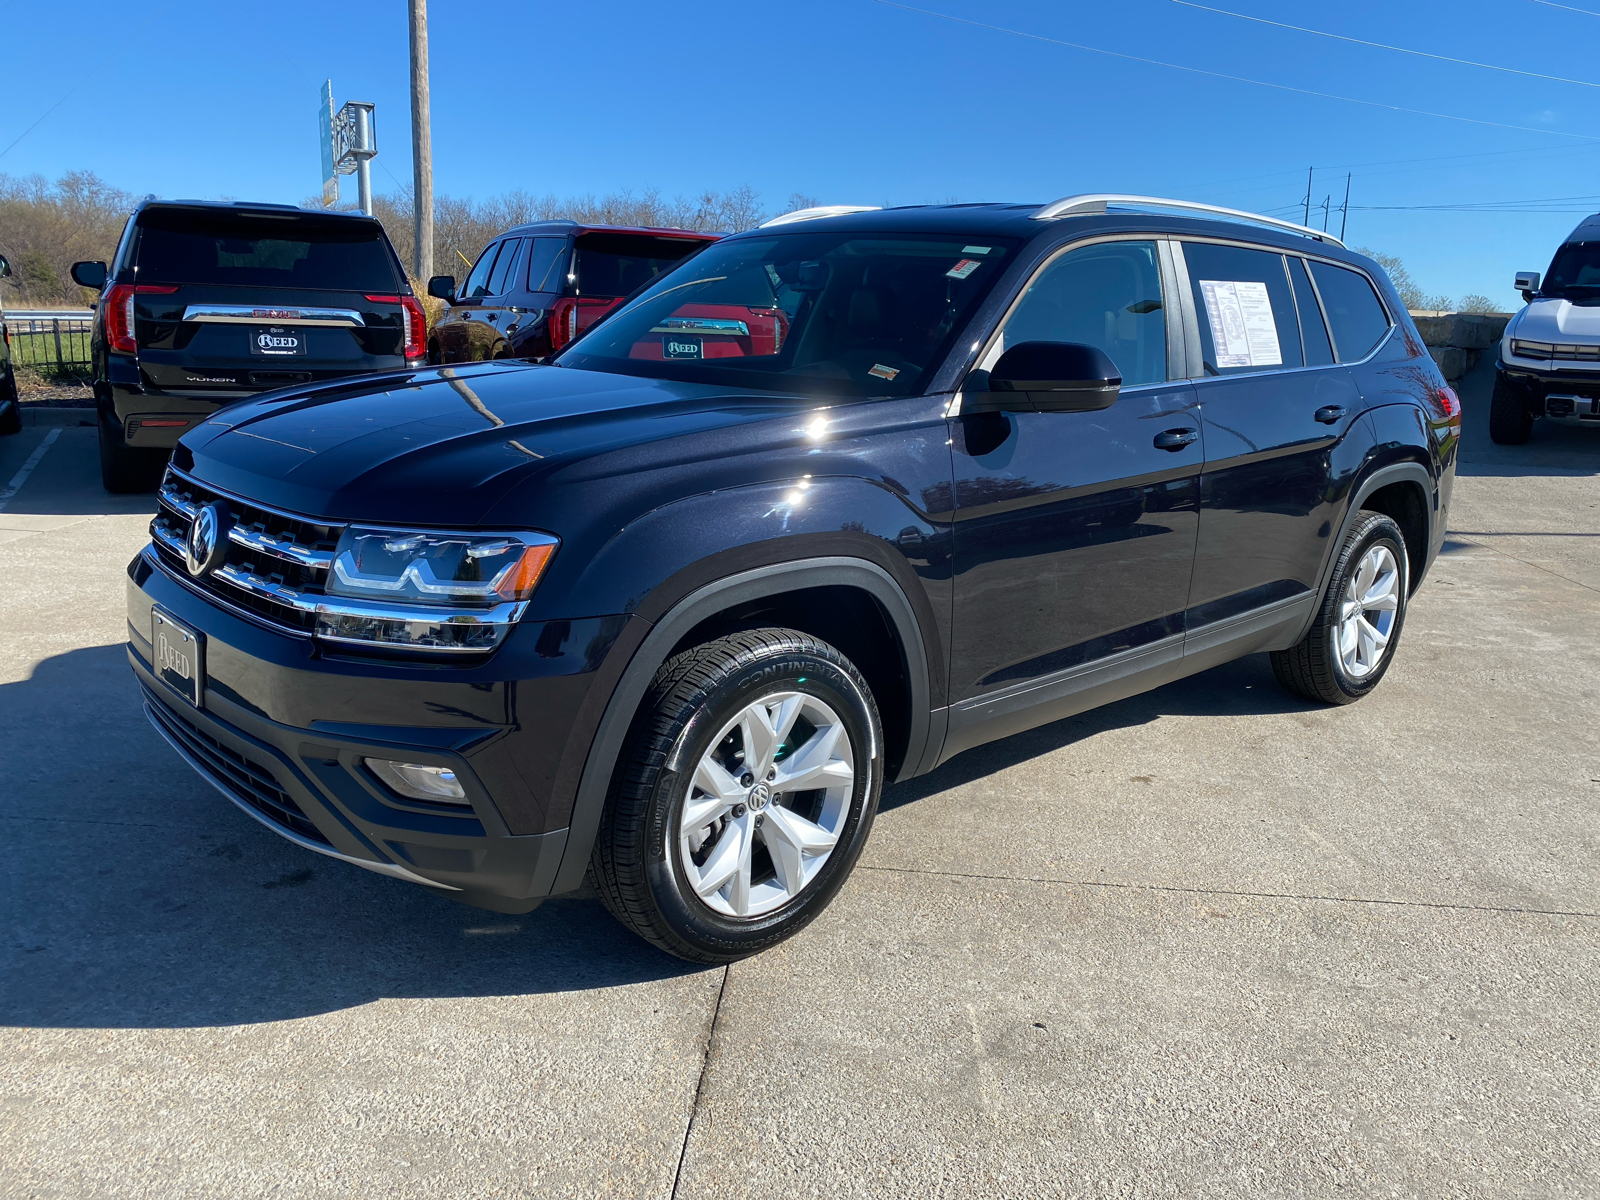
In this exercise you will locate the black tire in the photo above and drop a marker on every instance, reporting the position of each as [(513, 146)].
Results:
[(1313, 667), (124, 468), (1510, 422), (636, 865)]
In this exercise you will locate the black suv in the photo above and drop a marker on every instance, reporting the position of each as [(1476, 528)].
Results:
[(10, 400), (836, 500), (207, 303), (537, 287)]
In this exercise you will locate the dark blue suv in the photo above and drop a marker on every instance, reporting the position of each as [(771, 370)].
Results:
[(829, 503)]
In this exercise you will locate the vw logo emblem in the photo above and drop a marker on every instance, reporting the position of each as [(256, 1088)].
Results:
[(759, 795), (208, 540)]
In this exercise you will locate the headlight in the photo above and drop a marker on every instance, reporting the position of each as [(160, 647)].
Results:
[(401, 566)]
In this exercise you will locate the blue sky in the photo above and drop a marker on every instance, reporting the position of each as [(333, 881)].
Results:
[(855, 101)]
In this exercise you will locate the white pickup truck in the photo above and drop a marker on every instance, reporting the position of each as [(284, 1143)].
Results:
[(1549, 361)]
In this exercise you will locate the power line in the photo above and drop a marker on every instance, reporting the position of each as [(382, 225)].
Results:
[(1549, 4), (1282, 87), (1465, 62), (85, 76)]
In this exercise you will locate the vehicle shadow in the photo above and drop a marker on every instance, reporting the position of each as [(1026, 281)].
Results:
[(1244, 687), (134, 896)]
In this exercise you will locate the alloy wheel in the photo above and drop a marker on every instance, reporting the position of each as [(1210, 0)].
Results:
[(766, 805), (1367, 612)]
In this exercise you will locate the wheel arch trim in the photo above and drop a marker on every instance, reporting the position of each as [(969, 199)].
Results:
[(606, 746)]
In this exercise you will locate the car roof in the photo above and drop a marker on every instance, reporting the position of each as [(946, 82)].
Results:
[(568, 228), (249, 206), (1017, 220), (1588, 230)]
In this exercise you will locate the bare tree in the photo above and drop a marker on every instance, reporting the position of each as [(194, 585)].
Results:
[(46, 227)]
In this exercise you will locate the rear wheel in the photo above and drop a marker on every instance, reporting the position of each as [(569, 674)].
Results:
[(125, 468), (1353, 640), (1510, 422), (743, 799)]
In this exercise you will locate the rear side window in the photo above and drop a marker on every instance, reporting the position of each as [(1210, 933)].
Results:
[(198, 246), (1245, 308), (1355, 316), (546, 264), (616, 264), (478, 281), (500, 277), (1313, 333)]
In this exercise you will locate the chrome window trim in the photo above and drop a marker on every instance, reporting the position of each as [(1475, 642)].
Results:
[(250, 314)]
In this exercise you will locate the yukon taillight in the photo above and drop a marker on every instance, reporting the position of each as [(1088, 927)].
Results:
[(413, 323), (563, 323), (118, 306)]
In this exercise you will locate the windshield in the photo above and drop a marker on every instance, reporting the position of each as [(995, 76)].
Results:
[(1575, 273), (298, 251), (845, 313)]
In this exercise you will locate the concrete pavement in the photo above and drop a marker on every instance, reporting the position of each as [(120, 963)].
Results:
[(1211, 941)]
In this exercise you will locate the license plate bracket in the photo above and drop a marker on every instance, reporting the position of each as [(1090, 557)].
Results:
[(178, 656), (277, 341), (674, 345)]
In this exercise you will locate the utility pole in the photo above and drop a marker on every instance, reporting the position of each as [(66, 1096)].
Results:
[(1307, 221), (1344, 209), (1327, 201), (421, 145)]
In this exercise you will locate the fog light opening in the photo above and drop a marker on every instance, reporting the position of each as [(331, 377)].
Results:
[(418, 781)]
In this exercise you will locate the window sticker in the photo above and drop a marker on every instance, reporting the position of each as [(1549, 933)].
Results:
[(1243, 329), (964, 268), (883, 372), (976, 249)]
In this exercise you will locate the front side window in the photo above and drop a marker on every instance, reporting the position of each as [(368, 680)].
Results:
[(849, 314), (1575, 274), (1245, 309), (1356, 319), (1107, 296), (478, 281)]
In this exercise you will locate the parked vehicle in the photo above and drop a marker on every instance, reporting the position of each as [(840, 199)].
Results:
[(836, 500), (536, 287), (207, 303), (1549, 361), (10, 399)]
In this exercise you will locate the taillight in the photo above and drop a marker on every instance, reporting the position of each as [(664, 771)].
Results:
[(118, 307), (1451, 402), (413, 321), (563, 323)]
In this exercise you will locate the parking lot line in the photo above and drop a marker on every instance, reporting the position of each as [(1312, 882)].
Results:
[(21, 477)]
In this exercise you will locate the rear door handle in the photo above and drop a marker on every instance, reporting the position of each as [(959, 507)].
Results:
[(1329, 413), (1176, 439)]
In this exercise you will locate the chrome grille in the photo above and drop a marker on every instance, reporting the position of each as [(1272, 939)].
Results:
[(272, 558)]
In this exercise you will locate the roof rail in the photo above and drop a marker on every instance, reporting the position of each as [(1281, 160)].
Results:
[(1096, 203), (824, 210)]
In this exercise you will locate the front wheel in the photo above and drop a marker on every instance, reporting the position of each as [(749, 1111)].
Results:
[(1357, 630), (1510, 422), (744, 797)]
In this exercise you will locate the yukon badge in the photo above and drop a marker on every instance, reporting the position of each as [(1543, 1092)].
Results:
[(208, 539)]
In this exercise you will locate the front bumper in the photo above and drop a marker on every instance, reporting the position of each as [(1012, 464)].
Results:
[(1570, 396), (284, 727)]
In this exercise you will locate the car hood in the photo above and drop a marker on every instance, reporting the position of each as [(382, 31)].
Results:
[(440, 446), (1559, 321)]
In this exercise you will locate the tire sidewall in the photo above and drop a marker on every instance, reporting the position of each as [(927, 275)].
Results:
[(689, 917), (1378, 530)]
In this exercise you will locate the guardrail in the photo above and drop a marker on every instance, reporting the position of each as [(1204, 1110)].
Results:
[(53, 342)]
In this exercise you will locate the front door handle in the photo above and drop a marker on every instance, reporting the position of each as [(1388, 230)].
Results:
[(1176, 439), (1329, 413)]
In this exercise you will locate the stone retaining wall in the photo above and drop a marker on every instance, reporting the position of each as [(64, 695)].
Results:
[(1456, 340)]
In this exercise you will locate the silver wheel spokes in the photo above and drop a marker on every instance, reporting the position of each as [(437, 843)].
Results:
[(1367, 612), (766, 804)]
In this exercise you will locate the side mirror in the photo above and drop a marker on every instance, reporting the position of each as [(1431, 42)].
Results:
[(89, 274), (442, 287), (1049, 377), (5, 266), (1527, 283)]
